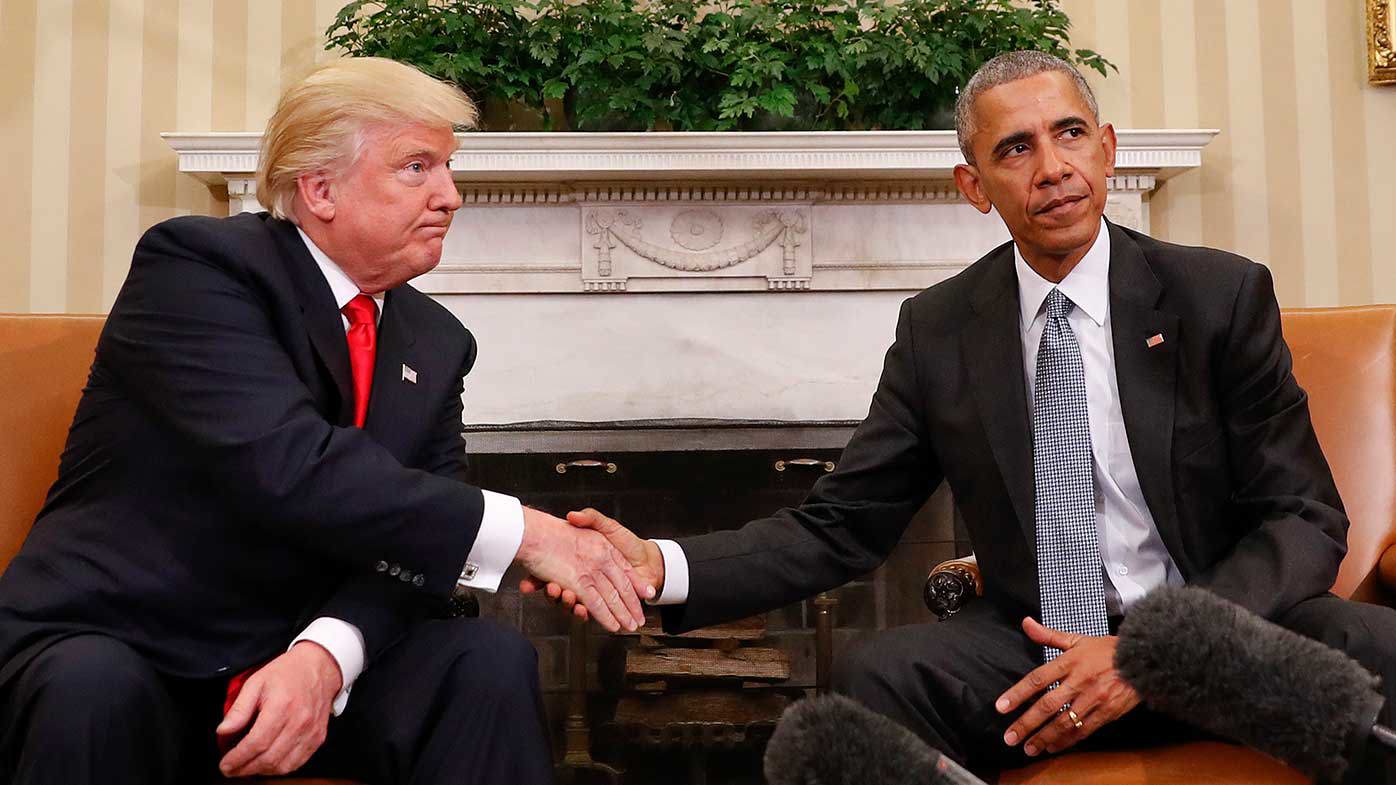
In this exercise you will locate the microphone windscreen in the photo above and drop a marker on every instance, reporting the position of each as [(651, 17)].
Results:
[(1212, 664), (831, 740)]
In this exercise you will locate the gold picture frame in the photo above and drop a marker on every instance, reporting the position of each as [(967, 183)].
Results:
[(1381, 58)]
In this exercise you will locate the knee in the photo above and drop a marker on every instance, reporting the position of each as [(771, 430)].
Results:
[(873, 667), (494, 659), (102, 675)]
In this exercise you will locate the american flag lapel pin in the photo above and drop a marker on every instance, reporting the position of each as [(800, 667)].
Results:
[(408, 375), (1154, 340)]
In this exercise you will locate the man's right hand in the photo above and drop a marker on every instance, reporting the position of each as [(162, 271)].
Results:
[(643, 556), (587, 566)]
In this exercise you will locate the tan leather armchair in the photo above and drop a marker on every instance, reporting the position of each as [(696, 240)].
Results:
[(44, 362), (1346, 359)]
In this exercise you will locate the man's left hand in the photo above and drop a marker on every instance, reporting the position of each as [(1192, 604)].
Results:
[(291, 698), (1089, 687)]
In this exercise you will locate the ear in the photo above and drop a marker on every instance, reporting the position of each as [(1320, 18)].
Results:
[(316, 191), (967, 180), (1107, 142)]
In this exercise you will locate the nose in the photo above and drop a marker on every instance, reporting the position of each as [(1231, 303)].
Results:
[(445, 195), (1051, 167)]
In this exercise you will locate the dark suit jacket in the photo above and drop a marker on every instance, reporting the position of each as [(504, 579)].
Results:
[(214, 495), (1219, 430)]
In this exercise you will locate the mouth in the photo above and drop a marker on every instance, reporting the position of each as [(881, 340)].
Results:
[(1060, 205)]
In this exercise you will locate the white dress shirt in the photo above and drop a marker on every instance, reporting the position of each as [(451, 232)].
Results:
[(1133, 555), (496, 544)]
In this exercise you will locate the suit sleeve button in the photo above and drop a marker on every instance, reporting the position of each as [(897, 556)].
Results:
[(394, 570), (405, 576), (381, 566), (419, 581)]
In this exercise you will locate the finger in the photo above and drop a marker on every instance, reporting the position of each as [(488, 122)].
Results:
[(642, 587), (1060, 733), (1047, 636), (596, 605), (270, 720), (528, 586), (1037, 680), (554, 591), (586, 519), (1041, 712), (569, 597), (242, 709), (613, 587), (580, 611), (277, 758), (626, 589)]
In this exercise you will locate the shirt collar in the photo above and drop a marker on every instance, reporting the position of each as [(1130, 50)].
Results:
[(1087, 285), (341, 285)]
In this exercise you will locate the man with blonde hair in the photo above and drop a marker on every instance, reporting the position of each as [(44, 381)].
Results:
[(261, 503)]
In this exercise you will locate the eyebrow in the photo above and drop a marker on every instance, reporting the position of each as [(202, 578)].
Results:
[(1020, 137), (417, 152)]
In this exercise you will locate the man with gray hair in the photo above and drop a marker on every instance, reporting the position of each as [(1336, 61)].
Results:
[(261, 503), (1113, 414)]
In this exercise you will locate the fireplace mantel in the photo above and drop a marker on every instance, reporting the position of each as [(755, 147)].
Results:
[(812, 239)]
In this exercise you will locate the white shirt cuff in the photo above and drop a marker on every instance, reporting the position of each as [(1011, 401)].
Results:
[(496, 544), (675, 574), (345, 644)]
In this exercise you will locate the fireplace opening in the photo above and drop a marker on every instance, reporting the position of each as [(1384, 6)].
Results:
[(671, 479)]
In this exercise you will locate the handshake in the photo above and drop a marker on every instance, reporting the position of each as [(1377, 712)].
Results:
[(592, 564)]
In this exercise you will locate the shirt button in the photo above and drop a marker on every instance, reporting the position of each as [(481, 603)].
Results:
[(1123, 570), (381, 566)]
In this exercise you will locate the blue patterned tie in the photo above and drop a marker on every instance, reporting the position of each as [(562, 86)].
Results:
[(1070, 579)]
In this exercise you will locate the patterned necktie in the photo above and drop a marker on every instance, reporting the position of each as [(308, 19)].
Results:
[(1070, 579), (362, 313)]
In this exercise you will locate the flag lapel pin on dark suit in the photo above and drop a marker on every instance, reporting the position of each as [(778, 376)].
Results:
[(1154, 340), (408, 375)]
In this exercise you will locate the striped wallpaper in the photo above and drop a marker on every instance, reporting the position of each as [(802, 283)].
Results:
[(1303, 176)]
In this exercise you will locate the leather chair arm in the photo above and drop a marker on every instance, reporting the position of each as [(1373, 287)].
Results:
[(1386, 568), (951, 584)]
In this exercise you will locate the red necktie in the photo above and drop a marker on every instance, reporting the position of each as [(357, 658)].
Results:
[(362, 337), (362, 313)]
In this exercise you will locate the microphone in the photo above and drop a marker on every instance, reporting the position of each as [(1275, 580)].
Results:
[(1210, 663), (831, 740)]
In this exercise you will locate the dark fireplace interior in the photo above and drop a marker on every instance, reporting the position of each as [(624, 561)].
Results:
[(673, 479)]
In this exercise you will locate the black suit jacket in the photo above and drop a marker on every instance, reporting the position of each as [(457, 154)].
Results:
[(214, 495), (1219, 431)]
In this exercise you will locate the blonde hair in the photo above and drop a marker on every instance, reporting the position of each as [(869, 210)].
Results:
[(319, 123)]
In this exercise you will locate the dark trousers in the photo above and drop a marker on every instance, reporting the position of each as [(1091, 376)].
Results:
[(456, 701), (941, 681)]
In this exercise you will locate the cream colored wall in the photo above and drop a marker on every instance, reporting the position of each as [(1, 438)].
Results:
[(1303, 176)]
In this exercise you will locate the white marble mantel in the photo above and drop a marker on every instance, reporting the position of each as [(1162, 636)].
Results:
[(745, 275)]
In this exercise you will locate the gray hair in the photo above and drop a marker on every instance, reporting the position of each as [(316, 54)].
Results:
[(1010, 67)]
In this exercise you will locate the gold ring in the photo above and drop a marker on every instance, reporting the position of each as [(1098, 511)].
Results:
[(1075, 720)]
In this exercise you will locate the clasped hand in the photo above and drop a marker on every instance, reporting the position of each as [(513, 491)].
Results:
[(642, 560), (1088, 686), (584, 565)]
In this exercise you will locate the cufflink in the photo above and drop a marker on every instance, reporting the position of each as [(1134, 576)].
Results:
[(470, 571)]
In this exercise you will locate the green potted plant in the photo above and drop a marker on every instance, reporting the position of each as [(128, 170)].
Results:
[(705, 66)]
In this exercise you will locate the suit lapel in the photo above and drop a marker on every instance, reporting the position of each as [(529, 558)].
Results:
[(394, 380), (323, 322), (1146, 376), (993, 349)]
